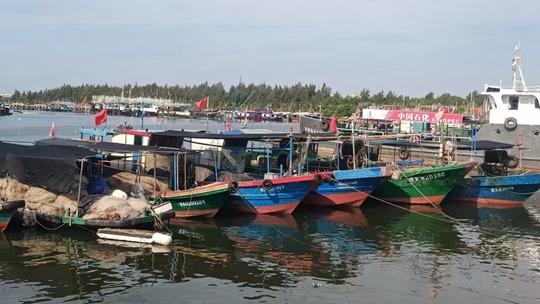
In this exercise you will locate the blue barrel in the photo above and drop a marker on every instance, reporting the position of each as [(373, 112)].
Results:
[(97, 185)]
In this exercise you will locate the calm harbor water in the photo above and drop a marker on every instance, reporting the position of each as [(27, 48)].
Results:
[(375, 254)]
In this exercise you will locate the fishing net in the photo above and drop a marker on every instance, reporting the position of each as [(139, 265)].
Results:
[(110, 208)]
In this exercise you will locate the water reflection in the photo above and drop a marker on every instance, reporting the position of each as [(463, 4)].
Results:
[(421, 252)]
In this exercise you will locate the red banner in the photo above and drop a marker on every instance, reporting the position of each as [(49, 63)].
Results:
[(202, 104), (423, 116), (100, 117)]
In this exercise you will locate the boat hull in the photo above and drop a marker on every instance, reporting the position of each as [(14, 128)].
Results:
[(283, 197), (423, 186), (312, 124), (496, 190), (530, 158), (203, 201), (350, 187), (7, 210), (144, 222)]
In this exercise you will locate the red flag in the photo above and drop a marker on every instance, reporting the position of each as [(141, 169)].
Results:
[(100, 117), (333, 124), (52, 132), (203, 103)]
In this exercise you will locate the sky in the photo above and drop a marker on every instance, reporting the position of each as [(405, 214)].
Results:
[(411, 47)]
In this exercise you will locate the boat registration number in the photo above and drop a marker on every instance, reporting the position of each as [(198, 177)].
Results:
[(161, 208), (426, 177)]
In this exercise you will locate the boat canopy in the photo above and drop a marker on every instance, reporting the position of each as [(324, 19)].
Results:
[(110, 146), (462, 145), (51, 167)]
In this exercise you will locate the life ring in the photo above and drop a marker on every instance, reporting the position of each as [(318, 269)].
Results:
[(12, 205), (266, 184), (510, 123), (318, 179), (233, 187), (325, 125), (404, 153), (447, 159), (513, 162), (414, 139)]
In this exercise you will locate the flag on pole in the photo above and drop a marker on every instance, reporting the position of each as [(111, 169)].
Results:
[(52, 132), (100, 117), (333, 124), (203, 103)]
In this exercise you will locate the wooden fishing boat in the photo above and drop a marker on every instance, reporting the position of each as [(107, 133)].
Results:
[(347, 188), (495, 182), (496, 190), (202, 201), (143, 222), (280, 195), (7, 209), (424, 185)]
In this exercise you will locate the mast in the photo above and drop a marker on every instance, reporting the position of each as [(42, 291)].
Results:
[(518, 80), (236, 98)]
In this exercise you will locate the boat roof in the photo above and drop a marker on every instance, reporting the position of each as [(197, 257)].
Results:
[(462, 145), (51, 167), (238, 134), (110, 146)]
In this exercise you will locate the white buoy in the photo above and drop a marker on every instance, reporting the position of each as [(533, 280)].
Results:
[(133, 235)]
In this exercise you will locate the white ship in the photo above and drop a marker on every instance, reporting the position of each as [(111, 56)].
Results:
[(514, 115)]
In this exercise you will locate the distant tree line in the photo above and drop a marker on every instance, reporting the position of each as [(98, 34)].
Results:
[(298, 97)]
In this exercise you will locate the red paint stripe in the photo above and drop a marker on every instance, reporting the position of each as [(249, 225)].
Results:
[(4, 225), (490, 202), (341, 199), (435, 199), (281, 180), (139, 133), (281, 208)]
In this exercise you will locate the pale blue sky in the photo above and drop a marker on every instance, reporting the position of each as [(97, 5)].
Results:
[(408, 46)]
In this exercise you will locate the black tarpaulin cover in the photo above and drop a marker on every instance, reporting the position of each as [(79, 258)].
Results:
[(52, 167)]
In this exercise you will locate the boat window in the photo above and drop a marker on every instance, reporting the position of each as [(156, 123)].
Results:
[(536, 103), (513, 103), (491, 89)]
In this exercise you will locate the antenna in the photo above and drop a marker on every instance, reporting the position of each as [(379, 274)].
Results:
[(518, 83)]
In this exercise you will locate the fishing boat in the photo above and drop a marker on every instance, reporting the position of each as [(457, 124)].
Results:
[(204, 201), (7, 210), (279, 195), (144, 222), (347, 187), (495, 184), (513, 114), (427, 185), (314, 124)]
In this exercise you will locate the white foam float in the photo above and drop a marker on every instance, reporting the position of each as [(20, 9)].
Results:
[(133, 235)]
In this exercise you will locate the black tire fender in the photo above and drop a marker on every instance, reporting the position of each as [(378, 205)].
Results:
[(513, 162), (404, 153), (510, 123), (325, 125), (267, 184)]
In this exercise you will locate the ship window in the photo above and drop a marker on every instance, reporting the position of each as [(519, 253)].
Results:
[(513, 103), (536, 103), (491, 89)]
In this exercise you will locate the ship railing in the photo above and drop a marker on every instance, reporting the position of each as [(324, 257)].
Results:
[(535, 88)]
